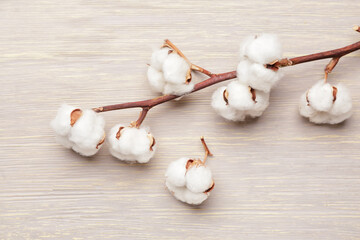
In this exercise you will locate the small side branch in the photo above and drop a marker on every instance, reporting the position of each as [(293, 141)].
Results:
[(142, 116), (330, 66)]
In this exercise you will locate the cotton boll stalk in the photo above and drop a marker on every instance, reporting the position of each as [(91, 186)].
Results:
[(176, 171), (320, 96), (198, 178), (257, 75), (88, 133), (156, 79), (223, 108), (131, 144), (263, 48), (158, 57), (176, 70)]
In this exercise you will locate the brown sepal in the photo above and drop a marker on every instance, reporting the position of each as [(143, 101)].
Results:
[(253, 94), (101, 142), (118, 134), (226, 96), (210, 188), (188, 76), (334, 93), (152, 141), (74, 116)]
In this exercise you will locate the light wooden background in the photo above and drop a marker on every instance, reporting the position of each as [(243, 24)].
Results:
[(277, 177)]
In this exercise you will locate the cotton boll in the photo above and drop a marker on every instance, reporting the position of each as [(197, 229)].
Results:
[(198, 179), (175, 69), (185, 195), (320, 96), (321, 106), (156, 79), (263, 48), (178, 89), (223, 109), (257, 75), (158, 57), (61, 123), (240, 96), (131, 144), (176, 171), (87, 133)]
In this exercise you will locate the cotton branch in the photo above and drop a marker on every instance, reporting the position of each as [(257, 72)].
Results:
[(146, 105)]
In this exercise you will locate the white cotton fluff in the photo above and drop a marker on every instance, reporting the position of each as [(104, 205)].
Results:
[(167, 73), (175, 69), (158, 57), (320, 107), (240, 98), (133, 145), (87, 132), (240, 102), (84, 136), (257, 75), (188, 185), (175, 173), (263, 48), (198, 179), (185, 195), (226, 111), (320, 96), (178, 89), (61, 123), (156, 79)]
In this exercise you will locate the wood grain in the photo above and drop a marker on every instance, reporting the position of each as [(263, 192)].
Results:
[(277, 177)]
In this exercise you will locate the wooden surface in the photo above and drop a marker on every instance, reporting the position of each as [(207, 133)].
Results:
[(277, 177)]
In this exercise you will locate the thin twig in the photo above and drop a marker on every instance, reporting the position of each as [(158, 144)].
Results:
[(142, 116), (330, 66), (207, 151)]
